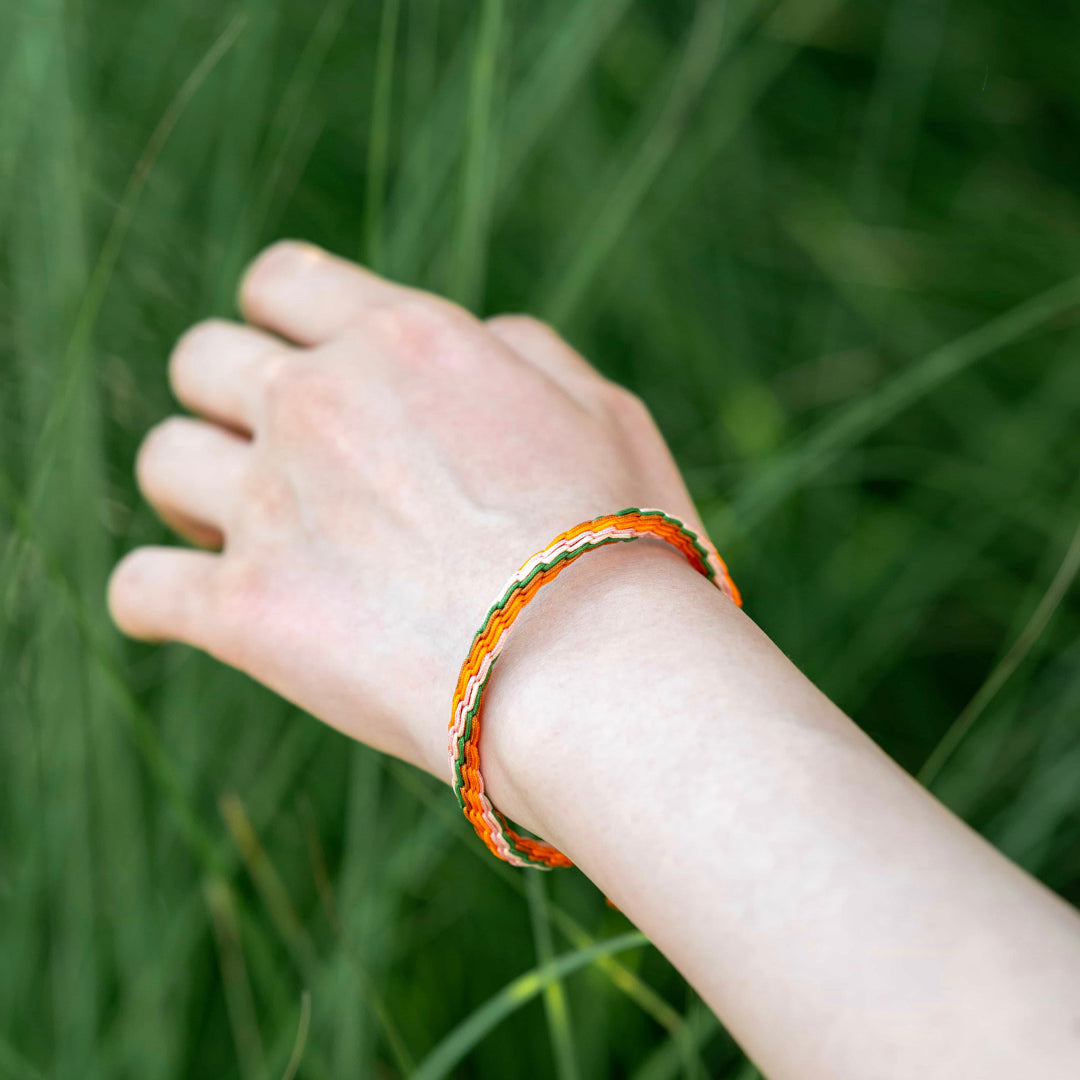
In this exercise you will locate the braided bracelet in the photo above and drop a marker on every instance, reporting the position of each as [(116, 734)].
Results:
[(490, 639)]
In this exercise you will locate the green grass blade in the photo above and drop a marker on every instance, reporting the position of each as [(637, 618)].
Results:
[(247, 72), (680, 1050), (63, 709), (292, 930), (234, 977), (378, 163), (35, 51), (96, 643), (96, 289), (566, 48), (302, 1031), (555, 1004), (551, 82), (786, 472), (748, 74), (481, 155), (288, 142), (1026, 641), (513, 996), (910, 51), (609, 216)]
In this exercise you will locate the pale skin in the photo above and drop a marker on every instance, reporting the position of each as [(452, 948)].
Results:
[(373, 463)]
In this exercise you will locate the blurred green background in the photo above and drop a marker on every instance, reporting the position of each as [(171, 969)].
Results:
[(833, 245)]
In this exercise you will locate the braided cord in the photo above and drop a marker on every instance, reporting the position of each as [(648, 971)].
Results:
[(490, 639)]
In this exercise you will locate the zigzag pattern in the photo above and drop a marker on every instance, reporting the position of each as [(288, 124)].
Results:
[(490, 639)]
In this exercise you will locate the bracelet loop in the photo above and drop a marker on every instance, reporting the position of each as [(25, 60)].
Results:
[(545, 566)]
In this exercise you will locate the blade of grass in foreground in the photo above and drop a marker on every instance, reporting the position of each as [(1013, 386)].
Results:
[(747, 76), (379, 139), (71, 783), (891, 124), (910, 49), (478, 168), (67, 422), (94, 295), (610, 216), (291, 928), (1003, 670), (364, 907), (285, 154), (665, 1061), (96, 649), (907, 591), (31, 60), (302, 1029), (511, 998), (555, 1007), (566, 48), (549, 84), (242, 93), (238, 996), (782, 475)]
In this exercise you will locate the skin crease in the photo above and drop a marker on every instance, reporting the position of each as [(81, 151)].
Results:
[(374, 463)]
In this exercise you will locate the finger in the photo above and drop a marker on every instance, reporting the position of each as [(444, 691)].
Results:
[(308, 295), (163, 594), (536, 342), (216, 369), (192, 469)]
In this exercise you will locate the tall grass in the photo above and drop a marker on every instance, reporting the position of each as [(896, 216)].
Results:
[(834, 246)]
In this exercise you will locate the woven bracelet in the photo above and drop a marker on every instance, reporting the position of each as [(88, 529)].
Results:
[(545, 566)]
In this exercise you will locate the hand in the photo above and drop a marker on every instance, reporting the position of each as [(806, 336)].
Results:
[(374, 464)]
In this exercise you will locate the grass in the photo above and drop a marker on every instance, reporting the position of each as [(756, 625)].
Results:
[(833, 245)]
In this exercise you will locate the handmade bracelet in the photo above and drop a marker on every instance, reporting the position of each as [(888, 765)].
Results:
[(490, 639)]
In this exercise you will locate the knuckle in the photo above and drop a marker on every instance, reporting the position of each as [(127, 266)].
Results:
[(277, 376), (541, 343), (268, 496), (240, 595), (625, 405), (520, 324), (418, 326), (301, 398)]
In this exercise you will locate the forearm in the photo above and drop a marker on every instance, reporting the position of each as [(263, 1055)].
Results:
[(638, 720)]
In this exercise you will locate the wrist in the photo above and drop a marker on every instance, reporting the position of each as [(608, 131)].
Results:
[(559, 689)]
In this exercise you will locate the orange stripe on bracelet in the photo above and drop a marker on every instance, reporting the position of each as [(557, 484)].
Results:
[(491, 638)]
